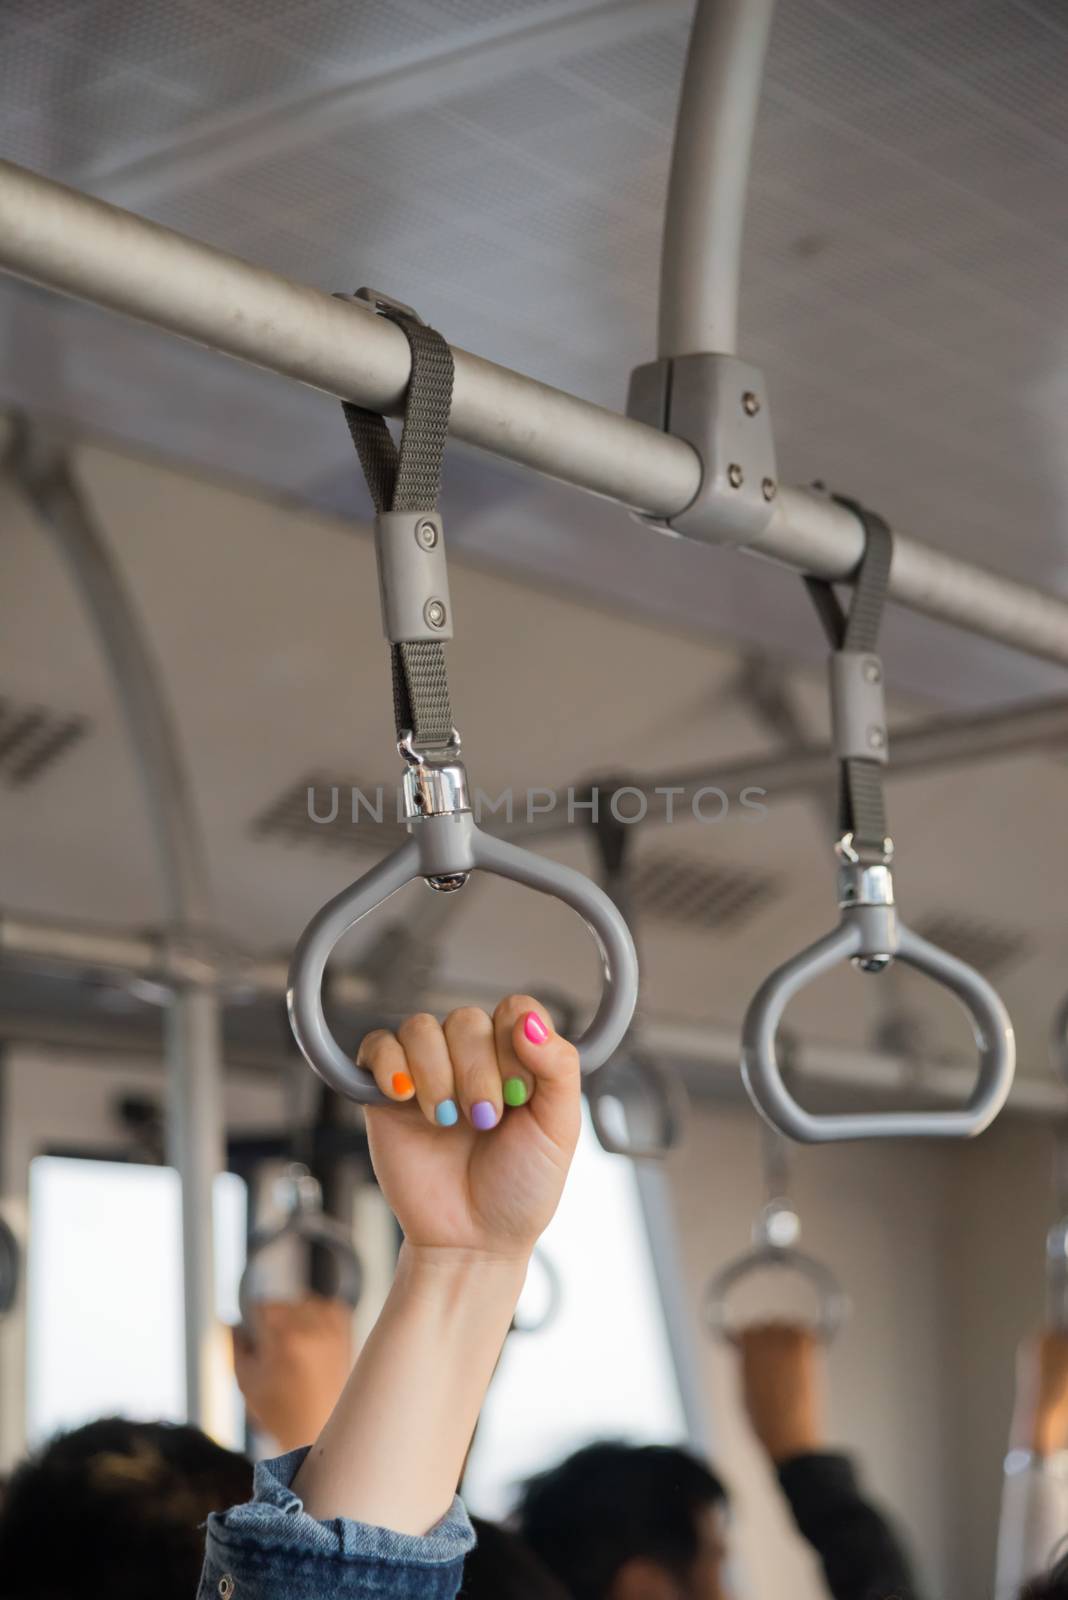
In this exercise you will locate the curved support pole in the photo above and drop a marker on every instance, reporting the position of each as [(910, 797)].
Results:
[(193, 1034), (308, 1222), (665, 1093), (446, 847), (700, 266), (852, 939)]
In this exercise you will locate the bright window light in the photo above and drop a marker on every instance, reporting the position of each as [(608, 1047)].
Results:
[(104, 1286), (603, 1369)]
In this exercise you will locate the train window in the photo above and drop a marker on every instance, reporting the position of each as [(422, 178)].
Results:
[(609, 1332), (105, 1261)]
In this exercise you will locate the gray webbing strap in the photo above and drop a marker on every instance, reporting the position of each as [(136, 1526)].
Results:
[(861, 806), (409, 479)]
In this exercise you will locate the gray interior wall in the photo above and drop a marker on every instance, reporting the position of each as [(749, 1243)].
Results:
[(941, 1252)]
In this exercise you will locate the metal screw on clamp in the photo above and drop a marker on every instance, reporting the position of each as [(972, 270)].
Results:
[(426, 535), (435, 614), (750, 403), (735, 475)]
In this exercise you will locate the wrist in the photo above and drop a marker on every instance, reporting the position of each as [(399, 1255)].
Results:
[(447, 1275)]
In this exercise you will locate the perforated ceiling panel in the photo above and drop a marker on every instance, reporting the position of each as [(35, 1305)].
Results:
[(501, 164)]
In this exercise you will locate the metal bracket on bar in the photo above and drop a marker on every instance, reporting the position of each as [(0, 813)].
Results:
[(719, 405)]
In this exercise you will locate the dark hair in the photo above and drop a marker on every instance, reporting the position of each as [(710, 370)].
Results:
[(609, 1503), (501, 1567), (1053, 1585), (116, 1508)]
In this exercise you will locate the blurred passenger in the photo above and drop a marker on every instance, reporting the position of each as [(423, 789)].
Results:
[(1034, 1500), (115, 1509), (783, 1382), (501, 1567), (626, 1522)]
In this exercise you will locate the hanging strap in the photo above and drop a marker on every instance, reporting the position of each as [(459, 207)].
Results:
[(409, 479), (857, 701)]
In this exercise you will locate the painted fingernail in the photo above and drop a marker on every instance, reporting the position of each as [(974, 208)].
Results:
[(446, 1114), (515, 1092), (534, 1028), (484, 1115), (402, 1084)]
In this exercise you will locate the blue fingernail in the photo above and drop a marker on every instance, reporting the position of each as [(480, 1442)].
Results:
[(446, 1114)]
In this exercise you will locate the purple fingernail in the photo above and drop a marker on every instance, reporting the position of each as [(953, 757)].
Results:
[(484, 1115)]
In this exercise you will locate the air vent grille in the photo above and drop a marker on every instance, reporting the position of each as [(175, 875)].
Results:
[(332, 813), (33, 738), (987, 946), (699, 894)]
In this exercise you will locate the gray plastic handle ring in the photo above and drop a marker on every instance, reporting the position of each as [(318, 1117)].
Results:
[(556, 1296), (1057, 1277), (1058, 1041), (990, 1022), (667, 1093), (443, 846), (834, 1302), (314, 1229), (9, 1268)]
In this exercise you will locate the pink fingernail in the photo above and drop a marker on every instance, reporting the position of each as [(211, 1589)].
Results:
[(534, 1028)]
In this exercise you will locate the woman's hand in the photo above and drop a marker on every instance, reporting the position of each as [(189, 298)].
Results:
[(476, 1162), (472, 1185)]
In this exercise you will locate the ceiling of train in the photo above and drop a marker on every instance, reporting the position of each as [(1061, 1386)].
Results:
[(501, 164)]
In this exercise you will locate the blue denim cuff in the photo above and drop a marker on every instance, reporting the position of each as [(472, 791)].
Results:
[(274, 1538)]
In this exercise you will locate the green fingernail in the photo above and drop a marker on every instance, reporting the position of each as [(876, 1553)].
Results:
[(515, 1092)]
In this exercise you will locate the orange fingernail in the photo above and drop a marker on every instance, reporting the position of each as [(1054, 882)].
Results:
[(402, 1084)]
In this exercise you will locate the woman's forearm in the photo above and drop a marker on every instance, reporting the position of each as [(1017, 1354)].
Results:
[(393, 1449)]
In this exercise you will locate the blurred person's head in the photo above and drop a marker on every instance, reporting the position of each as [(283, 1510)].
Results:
[(116, 1508), (501, 1567), (630, 1522), (1052, 1585)]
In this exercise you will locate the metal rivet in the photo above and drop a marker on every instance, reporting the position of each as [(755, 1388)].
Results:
[(750, 403), (226, 1586), (426, 535), (876, 738), (872, 672), (434, 614), (735, 476), (768, 488)]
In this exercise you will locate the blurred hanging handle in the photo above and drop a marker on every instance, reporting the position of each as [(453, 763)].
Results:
[(775, 1236), (307, 1221)]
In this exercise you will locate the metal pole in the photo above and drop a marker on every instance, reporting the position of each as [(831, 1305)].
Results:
[(80, 246), (939, 742), (700, 267), (193, 1035)]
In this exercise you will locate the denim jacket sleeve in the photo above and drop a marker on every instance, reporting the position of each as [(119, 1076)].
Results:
[(271, 1549)]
